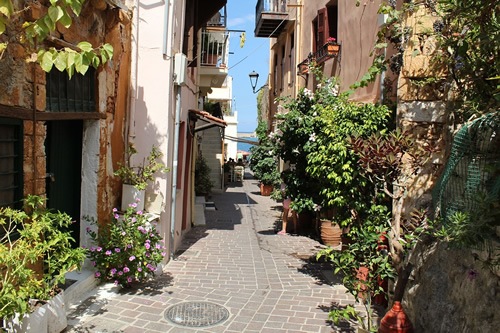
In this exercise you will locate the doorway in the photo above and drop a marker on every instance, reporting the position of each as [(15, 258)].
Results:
[(63, 148)]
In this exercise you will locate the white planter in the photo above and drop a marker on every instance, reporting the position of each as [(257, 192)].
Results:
[(48, 318), (130, 195)]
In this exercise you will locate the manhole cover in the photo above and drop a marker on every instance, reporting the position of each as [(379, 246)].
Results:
[(196, 314)]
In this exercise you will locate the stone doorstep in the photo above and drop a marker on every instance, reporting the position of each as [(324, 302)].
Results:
[(85, 282)]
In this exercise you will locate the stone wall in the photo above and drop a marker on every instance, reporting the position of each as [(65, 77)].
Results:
[(449, 289), (23, 91)]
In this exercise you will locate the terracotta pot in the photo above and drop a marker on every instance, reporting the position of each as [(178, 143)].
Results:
[(266, 190), (395, 321), (330, 233)]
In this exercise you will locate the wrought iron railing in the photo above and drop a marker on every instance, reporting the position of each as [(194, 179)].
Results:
[(214, 50), (278, 6)]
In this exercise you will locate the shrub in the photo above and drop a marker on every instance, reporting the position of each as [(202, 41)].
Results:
[(35, 254), (128, 250)]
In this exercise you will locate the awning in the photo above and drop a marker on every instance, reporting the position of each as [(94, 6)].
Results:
[(206, 119)]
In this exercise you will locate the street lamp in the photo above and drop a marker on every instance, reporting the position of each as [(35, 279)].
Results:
[(254, 77)]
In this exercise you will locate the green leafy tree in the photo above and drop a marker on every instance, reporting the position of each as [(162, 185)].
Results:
[(33, 34)]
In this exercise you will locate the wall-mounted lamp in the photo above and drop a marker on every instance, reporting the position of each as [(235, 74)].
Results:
[(254, 77)]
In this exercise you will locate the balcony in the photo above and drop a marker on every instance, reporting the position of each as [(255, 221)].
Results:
[(271, 17), (213, 58), (328, 51)]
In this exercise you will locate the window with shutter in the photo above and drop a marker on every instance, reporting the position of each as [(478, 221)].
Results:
[(322, 29), (11, 158)]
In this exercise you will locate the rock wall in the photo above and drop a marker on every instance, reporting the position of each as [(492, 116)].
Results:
[(451, 291)]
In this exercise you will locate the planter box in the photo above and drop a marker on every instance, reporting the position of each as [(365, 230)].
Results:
[(48, 318)]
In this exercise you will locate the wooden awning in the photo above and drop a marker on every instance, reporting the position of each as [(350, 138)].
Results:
[(206, 119)]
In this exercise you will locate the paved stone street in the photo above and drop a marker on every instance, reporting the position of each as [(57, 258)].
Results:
[(251, 279)]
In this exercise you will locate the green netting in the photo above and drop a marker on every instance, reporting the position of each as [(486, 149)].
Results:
[(472, 173)]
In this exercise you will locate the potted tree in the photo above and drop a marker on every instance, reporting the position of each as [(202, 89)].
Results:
[(135, 179), (202, 182)]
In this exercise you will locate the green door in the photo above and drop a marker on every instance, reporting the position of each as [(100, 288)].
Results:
[(63, 148)]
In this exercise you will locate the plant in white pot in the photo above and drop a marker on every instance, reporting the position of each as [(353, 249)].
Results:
[(135, 179), (36, 251)]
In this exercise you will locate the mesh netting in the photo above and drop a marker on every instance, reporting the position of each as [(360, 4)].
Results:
[(472, 173)]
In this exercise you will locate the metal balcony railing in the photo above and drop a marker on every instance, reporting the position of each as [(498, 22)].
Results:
[(214, 48), (270, 17)]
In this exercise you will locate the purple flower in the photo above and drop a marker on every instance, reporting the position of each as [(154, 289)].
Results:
[(139, 212), (133, 219), (94, 263), (472, 274), (129, 279), (117, 216), (115, 210), (116, 282), (88, 229), (163, 254), (99, 249), (113, 271), (132, 205), (92, 249), (129, 246), (158, 246), (132, 258), (126, 269), (97, 274), (147, 245), (151, 267), (108, 252), (120, 273), (117, 250), (139, 269), (148, 254)]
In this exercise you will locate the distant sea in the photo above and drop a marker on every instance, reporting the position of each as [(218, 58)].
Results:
[(243, 146)]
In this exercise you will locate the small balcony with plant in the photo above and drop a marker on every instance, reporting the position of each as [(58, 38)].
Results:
[(271, 17), (330, 49), (214, 51)]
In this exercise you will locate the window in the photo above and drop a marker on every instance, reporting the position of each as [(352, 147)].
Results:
[(282, 65), (324, 26), (71, 95), (11, 159), (291, 56), (275, 72)]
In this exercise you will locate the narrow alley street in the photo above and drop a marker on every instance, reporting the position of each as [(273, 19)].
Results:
[(235, 274)]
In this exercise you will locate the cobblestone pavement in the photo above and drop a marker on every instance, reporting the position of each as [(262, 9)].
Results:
[(266, 282)]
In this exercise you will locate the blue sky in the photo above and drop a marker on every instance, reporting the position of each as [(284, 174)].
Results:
[(254, 56)]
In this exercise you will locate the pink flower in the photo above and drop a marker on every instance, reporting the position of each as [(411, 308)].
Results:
[(115, 210), (108, 252), (117, 250), (97, 274), (126, 269), (132, 258)]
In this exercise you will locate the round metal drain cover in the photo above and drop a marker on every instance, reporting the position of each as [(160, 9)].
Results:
[(196, 314)]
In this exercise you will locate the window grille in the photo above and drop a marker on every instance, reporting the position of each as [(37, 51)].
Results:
[(71, 95), (11, 156)]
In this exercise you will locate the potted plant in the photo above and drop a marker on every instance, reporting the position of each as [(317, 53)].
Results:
[(135, 179), (331, 46), (202, 182), (36, 253), (128, 249)]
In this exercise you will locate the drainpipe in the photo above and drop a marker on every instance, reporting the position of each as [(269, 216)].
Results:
[(134, 51), (177, 121), (175, 168), (382, 18)]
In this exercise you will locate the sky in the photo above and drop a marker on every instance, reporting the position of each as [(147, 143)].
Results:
[(254, 56)]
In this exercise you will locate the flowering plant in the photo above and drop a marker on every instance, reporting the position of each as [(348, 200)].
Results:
[(129, 250), (331, 40)]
